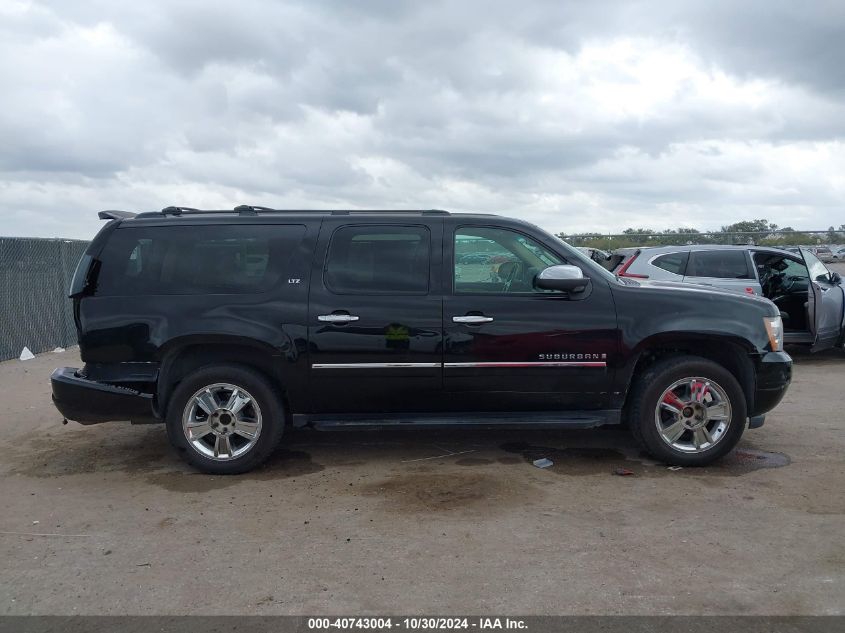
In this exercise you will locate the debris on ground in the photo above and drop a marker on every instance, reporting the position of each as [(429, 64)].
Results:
[(543, 462), (58, 350), (674, 467), (448, 454), (623, 472), (26, 354)]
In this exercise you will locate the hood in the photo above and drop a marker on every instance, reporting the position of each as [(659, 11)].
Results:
[(676, 286)]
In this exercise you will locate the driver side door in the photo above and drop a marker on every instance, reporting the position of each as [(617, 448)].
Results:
[(825, 304)]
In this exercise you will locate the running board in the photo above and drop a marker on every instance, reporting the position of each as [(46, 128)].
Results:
[(526, 420)]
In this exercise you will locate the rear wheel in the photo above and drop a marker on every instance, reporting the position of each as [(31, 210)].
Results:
[(687, 411), (225, 419)]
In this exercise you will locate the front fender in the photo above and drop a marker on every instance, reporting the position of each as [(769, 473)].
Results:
[(725, 327)]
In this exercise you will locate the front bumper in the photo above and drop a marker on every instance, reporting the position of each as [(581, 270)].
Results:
[(774, 373), (90, 402)]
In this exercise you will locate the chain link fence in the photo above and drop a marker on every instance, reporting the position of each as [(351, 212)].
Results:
[(35, 279), (781, 239)]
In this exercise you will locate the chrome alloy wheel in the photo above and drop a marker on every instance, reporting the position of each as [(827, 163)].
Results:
[(222, 421), (693, 414)]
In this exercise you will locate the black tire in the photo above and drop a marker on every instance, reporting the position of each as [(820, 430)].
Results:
[(649, 387), (264, 395)]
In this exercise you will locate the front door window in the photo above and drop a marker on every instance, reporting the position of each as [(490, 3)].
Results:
[(498, 261), (818, 271)]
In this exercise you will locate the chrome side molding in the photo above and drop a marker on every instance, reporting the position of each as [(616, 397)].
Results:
[(515, 364)]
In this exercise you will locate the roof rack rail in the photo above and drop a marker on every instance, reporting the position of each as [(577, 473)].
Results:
[(251, 209), (115, 214), (389, 211), (178, 210)]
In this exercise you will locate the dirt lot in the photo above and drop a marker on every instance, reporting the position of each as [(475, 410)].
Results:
[(106, 519)]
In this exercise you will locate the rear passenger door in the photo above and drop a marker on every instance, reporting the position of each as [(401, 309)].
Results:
[(374, 317), (724, 268)]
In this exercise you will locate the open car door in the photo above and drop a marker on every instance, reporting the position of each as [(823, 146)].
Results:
[(825, 304)]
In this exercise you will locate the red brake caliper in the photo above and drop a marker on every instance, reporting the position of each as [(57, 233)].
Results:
[(699, 390), (673, 400)]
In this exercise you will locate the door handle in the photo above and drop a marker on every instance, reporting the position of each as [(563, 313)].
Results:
[(337, 318), (472, 319)]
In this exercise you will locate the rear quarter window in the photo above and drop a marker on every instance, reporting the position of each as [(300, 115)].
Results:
[(184, 260), (672, 262)]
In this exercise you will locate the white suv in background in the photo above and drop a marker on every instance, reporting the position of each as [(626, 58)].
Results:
[(811, 298), (729, 267)]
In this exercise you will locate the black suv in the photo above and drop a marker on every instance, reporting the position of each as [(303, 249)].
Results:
[(230, 326)]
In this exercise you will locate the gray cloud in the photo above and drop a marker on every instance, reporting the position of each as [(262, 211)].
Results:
[(577, 116)]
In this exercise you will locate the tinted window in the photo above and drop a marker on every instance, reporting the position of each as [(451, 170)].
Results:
[(378, 260), (177, 260), (673, 262), (721, 264), (494, 260)]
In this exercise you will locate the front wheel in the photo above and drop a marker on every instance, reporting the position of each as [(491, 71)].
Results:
[(225, 419), (687, 411)]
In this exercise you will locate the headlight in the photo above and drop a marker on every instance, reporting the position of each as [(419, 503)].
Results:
[(774, 328)]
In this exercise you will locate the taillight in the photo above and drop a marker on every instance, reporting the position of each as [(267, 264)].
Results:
[(623, 271), (79, 281)]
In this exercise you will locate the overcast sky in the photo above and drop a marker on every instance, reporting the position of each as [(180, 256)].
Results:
[(579, 116)]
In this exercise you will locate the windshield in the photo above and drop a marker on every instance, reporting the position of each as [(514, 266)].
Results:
[(818, 271)]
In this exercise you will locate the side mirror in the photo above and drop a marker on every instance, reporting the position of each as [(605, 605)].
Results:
[(562, 277), (835, 277)]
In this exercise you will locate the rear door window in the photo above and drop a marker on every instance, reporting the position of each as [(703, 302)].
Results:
[(720, 264), (672, 262), (367, 259), (184, 260)]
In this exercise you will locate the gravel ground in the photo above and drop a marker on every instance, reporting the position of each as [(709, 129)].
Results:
[(107, 520)]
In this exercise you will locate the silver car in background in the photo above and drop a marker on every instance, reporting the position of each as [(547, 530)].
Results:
[(810, 297)]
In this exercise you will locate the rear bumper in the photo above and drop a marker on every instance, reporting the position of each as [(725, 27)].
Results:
[(774, 373), (90, 402)]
